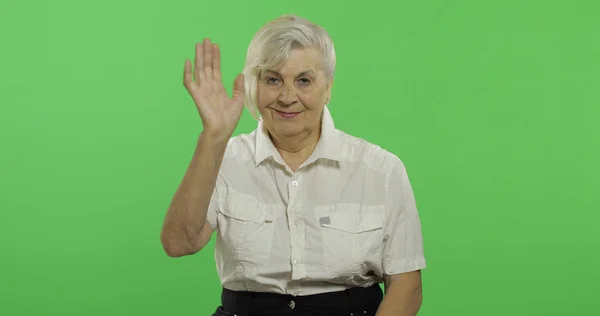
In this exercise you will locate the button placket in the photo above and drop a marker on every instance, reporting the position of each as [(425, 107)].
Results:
[(296, 228)]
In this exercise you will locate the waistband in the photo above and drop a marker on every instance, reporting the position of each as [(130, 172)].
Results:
[(358, 301)]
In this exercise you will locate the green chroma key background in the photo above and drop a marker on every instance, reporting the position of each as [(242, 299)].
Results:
[(492, 105)]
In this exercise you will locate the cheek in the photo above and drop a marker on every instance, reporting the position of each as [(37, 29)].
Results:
[(265, 97), (313, 99)]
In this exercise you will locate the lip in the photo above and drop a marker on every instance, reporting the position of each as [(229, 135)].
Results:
[(287, 114)]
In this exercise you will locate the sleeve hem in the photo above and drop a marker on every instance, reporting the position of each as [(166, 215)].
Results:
[(404, 265)]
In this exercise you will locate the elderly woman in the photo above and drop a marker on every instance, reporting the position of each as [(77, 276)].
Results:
[(309, 220)]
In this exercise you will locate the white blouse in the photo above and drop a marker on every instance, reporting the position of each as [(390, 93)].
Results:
[(345, 218)]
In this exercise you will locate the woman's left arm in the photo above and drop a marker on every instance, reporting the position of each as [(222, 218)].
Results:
[(403, 257), (403, 295)]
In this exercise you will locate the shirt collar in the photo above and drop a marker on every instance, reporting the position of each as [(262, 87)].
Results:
[(328, 146)]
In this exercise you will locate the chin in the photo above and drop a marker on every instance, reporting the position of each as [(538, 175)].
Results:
[(287, 131)]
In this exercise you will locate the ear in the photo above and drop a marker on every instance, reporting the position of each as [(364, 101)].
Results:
[(329, 86)]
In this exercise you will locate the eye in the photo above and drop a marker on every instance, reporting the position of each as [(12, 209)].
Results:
[(272, 80), (304, 81)]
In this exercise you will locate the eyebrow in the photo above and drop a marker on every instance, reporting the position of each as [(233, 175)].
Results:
[(304, 73)]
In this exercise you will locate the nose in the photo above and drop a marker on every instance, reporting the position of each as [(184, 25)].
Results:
[(288, 95)]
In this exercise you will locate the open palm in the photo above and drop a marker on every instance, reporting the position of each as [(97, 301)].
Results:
[(220, 114)]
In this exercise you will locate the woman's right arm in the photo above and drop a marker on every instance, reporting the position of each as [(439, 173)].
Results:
[(185, 229)]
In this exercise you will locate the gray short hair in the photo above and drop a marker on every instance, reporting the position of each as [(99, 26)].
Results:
[(273, 43)]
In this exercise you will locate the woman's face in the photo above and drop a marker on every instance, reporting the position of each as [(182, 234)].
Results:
[(291, 99)]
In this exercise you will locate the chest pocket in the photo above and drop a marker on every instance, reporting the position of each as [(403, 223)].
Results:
[(352, 235), (246, 227)]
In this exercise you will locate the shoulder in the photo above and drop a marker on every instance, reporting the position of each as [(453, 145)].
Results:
[(358, 150), (241, 146)]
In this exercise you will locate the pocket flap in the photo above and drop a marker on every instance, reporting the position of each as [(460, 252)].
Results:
[(351, 217), (247, 208)]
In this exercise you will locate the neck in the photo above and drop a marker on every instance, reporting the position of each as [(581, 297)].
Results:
[(296, 149)]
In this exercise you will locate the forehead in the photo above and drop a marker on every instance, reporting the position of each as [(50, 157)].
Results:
[(301, 60)]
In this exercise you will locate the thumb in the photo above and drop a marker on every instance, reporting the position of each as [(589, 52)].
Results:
[(238, 89)]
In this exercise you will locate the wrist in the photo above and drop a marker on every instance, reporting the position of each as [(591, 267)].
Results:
[(213, 139)]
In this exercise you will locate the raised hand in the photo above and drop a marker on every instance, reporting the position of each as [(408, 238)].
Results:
[(220, 114)]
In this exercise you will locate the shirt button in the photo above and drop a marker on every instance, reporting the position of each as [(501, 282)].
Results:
[(295, 183), (292, 304), (297, 222), (295, 261)]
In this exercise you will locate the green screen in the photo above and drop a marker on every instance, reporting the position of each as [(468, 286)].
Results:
[(492, 106)]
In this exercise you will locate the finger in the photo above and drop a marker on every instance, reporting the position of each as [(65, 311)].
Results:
[(208, 59), (187, 74), (199, 63), (216, 62), (238, 89)]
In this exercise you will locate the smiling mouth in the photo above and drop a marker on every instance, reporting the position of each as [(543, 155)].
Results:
[(287, 114)]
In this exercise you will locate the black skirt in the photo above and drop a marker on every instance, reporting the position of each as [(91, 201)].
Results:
[(356, 301)]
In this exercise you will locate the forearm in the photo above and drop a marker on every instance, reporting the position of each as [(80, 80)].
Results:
[(401, 300), (186, 216)]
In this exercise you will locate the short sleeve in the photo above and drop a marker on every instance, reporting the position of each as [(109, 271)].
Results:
[(403, 239), (215, 203)]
